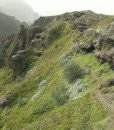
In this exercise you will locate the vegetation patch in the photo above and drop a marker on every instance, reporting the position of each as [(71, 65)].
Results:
[(59, 94), (73, 71), (42, 108), (76, 89)]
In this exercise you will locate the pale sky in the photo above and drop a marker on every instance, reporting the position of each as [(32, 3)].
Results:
[(54, 7)]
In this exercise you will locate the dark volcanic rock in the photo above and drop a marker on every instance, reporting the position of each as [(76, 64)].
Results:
[(104, 45), (78, 15), (21, 61), (87, 48), (84, 48), (17, 64), (80, 26), (21, 38), (32, 32), (41, 40)]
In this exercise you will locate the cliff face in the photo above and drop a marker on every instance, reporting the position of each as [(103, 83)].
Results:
[(22, 12), (38, 63)]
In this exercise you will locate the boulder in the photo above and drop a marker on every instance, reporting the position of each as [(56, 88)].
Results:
[(83, 48), (87, 48)]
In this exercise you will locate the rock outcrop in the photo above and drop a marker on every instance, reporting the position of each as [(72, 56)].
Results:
[(104, 45), (17, 51), (80, 26), (21, 61), (18, 63), (32, 32), (21, 38)]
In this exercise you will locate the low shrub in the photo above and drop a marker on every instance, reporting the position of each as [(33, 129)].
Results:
[(44, 107), (73, 71), (59, 94)]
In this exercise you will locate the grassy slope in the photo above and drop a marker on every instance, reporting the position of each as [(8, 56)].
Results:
[(85, 113)]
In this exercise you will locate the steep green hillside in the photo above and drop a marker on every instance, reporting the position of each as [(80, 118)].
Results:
[(51, 81), (8, 25)]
